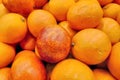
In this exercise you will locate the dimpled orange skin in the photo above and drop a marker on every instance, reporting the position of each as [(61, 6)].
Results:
[(84, 14), (53, 44)]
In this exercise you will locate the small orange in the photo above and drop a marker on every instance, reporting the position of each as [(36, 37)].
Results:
[(91, 46), (111, 10), (114, 61), (5, 73), (28, 42), (84, 14), (59, 8), (23, 7), (101, 74), (111, 28), (3, 10), (27, 66), (65, 25), (71, 69), (7, 54), (104, 2), (13, 28), (39, 19)]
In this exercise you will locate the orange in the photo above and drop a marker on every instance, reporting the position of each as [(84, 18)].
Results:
[(111, 10), (23, 7), (91, 46), (65, 25), (111, 28), (27, 66), (53, 44), (104, 2), (5, 73), (13, 28), (28, 42), (3, 10), (59, 8), (39, 19), (71, 69), (84, 14), (7, 54), (101, 74), (114, 61)]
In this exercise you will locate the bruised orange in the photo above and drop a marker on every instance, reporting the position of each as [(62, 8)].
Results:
[(53, 44)]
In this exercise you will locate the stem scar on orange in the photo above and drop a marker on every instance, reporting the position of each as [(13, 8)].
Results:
[(91, 46)]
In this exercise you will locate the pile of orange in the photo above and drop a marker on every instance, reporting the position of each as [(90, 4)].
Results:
[(59, 39)]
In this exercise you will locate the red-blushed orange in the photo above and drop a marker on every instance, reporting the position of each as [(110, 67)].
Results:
[(53, 44), (27, 66)]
